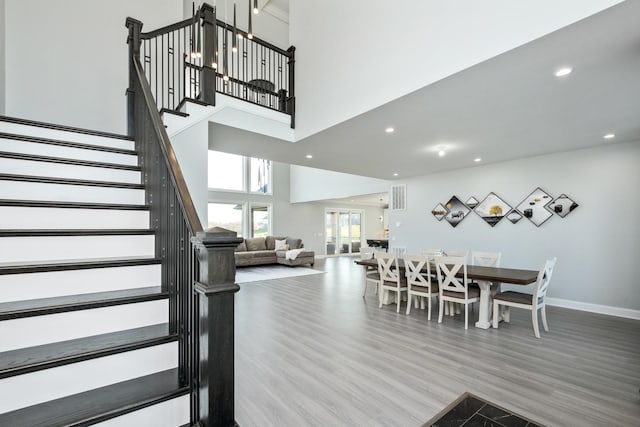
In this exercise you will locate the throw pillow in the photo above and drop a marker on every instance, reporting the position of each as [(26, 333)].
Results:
[(281, 245), (256, 244)]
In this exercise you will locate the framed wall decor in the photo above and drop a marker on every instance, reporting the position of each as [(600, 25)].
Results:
[(514, 216), (457, 211), (439, 211), (492, 209), (534, 207), (472, 202), (562, 205)]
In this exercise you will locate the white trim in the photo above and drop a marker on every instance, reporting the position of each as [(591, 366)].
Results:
[(594, 308)]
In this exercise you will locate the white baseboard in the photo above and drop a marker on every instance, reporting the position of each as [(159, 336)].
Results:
[(595, 308)]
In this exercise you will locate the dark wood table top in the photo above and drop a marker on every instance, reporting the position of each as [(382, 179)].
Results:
[(476, 272)]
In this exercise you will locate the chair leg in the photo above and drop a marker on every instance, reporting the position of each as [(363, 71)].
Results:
[(466, 316), (380, 298), (366, 284), (496, 309), (534, 319), (543, 313), (398, 301), (441, 310), (429, 308), (421, 303), (507, 314), (409, 295)]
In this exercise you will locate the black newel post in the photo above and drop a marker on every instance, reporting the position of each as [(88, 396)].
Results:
[(292, 85), (216, 291), (133, 40), (208, 76)]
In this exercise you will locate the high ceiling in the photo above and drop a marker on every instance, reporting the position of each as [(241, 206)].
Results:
[(509, 107)]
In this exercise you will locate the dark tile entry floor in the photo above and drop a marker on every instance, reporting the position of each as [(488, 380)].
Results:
[(471, 411)]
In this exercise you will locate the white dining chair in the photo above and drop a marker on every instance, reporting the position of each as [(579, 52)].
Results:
[(533, 302), (431, 253), (488, 259), (371, 273), (419, 284), (390, 277), (457, 253), (452, 288)]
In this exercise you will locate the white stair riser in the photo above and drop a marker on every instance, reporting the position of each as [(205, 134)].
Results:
[(27, 286), (16, 190), (42, 386), (59, 170), (14, 146), (171, 413), (19, 129), (21, 217), (38, 330), (52, 248)]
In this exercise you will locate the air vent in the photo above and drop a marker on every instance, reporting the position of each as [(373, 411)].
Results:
[(398, 197)]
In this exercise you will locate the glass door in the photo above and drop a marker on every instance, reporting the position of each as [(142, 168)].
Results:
[(343, 231)]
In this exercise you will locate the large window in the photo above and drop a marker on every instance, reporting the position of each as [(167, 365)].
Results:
[(247, 219), (231, 172)]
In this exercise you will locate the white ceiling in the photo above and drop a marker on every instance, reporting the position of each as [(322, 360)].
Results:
[(511, 106)]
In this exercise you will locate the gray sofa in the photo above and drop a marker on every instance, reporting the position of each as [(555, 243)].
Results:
[(262, 250)]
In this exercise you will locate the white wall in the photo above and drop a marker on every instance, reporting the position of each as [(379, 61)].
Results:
[(308, 184), (397, 47), (597, 245), (3, 29), (66, 60)]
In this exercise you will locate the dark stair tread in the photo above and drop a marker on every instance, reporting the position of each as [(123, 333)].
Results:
[(70, 205), (64, 128), (44, 306), (31, 359), (69, 144), (100, 404), (78, 264), (62, 160), (174, 112), (69, 181), (76, 232)]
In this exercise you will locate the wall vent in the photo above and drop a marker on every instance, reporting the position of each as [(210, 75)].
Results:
[(398, 197)]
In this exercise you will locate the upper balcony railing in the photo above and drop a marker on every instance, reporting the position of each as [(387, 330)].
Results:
[(194, 59)]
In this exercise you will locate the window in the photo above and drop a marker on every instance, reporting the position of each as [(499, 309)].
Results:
[(231, 172), (226, 215), (260, 217)]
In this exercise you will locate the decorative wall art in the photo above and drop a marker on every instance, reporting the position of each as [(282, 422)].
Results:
[(457, 211), (538, 207), (534, 207), (562, 206), (514, 216), (472, 202), (492, 209), (439, 211)]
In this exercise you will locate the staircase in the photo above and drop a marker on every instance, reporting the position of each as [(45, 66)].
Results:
[(84, 315)]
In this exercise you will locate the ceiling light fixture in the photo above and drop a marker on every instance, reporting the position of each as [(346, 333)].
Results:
[(477, 159), (234, 41), (309, 156), (389, 130), (441, 153), (250, 32), (609, 136), (395, 174), (564, 71), (255, 7)]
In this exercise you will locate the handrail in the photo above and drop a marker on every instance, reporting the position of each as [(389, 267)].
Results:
[(177, 178)]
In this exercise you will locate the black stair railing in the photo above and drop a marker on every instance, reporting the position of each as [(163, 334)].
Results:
[(193, 60), (198, 267)]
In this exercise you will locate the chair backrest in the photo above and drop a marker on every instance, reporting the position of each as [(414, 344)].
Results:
[(367, 252), (486, 259), (448, 267), (415, 265), (544, 277), (457, 253), (388, 267), (431, 253)]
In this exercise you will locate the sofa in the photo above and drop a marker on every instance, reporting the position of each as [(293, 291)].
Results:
[(262, 250)]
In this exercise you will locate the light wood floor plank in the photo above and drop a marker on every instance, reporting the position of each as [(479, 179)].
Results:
[(310, 351)]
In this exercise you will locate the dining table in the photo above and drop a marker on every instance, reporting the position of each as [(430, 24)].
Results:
[(484, 276)]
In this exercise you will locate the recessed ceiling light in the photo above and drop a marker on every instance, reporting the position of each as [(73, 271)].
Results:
[(389, 130), (477, 159), (395, 174), (564, 71), (441, 153), (309, 156), (610, 136)]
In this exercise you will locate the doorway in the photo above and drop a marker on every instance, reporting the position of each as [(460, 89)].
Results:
[(343, 231)]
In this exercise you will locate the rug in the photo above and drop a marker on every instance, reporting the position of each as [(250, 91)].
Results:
[(470, 410), (271, 272)]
